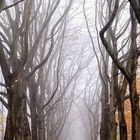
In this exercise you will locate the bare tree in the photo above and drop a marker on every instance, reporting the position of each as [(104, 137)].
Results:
[(17, 52), (130, 73)]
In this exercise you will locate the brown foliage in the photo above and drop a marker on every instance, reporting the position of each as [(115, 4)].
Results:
[(128, 109)]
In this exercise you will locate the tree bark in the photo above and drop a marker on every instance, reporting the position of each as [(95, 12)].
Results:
[(17, 126), (134, 99), (104, 128), (134, 110), (121, 115), (33, 107)]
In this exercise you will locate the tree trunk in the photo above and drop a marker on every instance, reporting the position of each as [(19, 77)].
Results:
[(41, 127), (104, 129), (122, 122), (134, 110), (121, 115), (17, 126), (33, 108), (113, 93)]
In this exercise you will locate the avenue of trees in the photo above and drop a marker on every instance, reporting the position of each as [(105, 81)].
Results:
[(45, 69)]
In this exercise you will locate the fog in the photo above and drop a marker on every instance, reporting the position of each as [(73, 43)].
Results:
[(69, 70)]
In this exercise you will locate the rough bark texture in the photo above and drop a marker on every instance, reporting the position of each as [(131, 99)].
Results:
[(17, 126), (121, 115), (113, 90), (104, 128)]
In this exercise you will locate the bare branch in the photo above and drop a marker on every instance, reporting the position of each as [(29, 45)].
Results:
[(2, 84), (107, 46), (12, 5), (52, 41), (136, 8), (3, 102), (3, 94)]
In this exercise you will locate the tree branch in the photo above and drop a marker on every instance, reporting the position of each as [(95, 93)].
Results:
[(3, 94), (52, 42), (2, 84), (3, 102), (136, 8), (107, 46), (5, 8), (3, 63)]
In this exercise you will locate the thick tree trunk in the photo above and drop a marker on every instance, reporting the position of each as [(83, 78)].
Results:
[(41, 127), (113, 93), (104, 129), (134, 110), (122, 123), (17, 126), (121, 115)]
